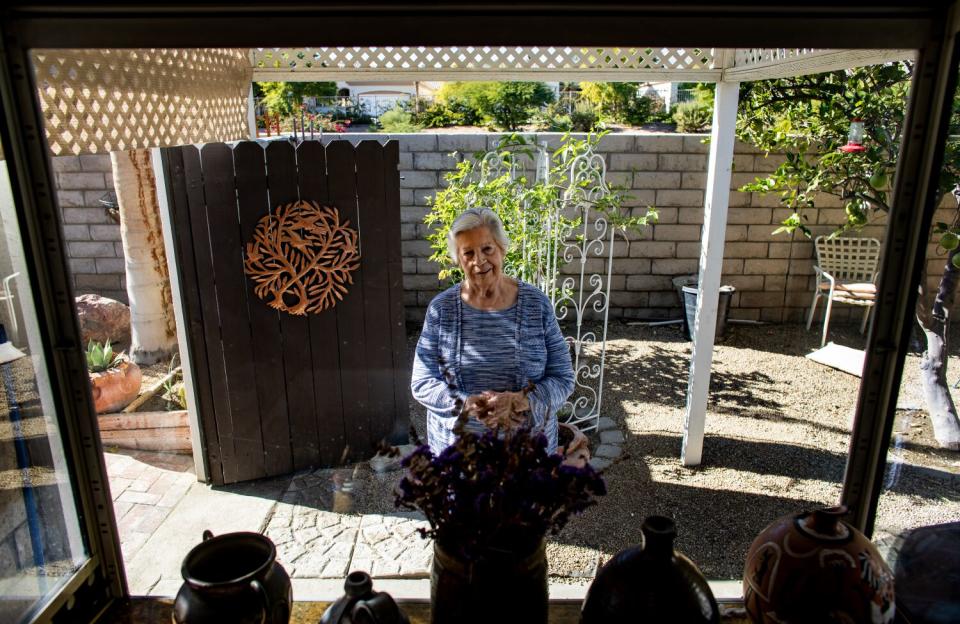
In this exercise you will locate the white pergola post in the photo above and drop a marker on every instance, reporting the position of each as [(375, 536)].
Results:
[(251, 113), (717, 199)]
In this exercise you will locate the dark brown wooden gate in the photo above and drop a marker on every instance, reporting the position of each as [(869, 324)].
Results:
[(278, 392)]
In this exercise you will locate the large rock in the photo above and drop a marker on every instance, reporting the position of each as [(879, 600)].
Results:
[(103, 319)]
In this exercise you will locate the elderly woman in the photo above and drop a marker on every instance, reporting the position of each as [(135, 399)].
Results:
[(489, 336)]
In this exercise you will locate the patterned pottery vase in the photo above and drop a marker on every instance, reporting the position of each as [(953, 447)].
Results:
[(650, 583), (813, 568)]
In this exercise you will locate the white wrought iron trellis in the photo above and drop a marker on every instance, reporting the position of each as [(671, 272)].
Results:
[(584, 295)]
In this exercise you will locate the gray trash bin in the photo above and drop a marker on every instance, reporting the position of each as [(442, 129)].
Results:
[(723, 308)]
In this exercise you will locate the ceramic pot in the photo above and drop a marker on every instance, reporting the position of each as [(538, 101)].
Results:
[(361, 604), (115, 388), (812, 567), (234, 578), (501, 587), (650, 583), (574, 446)]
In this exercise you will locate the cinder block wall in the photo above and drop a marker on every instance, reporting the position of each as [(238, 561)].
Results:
[(773, 274), (93, 237)]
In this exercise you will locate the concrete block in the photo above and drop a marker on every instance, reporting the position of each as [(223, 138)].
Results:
[(766, 163), (76, 232), (415, 315), (693, 180), (435, 161), (82, 265), (427, 267), (92, 198), (764, 267), (425, 142), (415, 248), (664, 299), (732, 266), (742, 147), (631, 266), (418, 179), (96, 162), (105, 232), (658, 143), (111, 265), (466, 144), (736, 233), (421, 282), (682, 162), (690, 215), (90, 250), (405, 161), (653, 249), (666, 215), (738, 199), (674, 266), (86, 280), (423, 197), (410, 266), (688, 250), (745, 250), (649, 282), (623, 179), (628, 299), (696, 144), (424, 297), (639, 198), (65, 164), (749, 216), (656, 180), (633, 162), (70, 199), (744, 282), (771, 200), (679, 198), (676, 232), (408, 231), (617, 143), (79, 181), (413, 214)]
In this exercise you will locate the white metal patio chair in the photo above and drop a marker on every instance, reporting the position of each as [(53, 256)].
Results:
[(846, 273)]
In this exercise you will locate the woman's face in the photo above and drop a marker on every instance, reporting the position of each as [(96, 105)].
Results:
[(480, 257)]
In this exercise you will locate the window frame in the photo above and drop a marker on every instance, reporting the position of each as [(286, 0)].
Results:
[(927, 26)]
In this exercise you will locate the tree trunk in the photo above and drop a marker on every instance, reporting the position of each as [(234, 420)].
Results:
[(933, 365), (152, 326)]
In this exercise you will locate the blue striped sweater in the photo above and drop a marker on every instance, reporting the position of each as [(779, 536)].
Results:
[(539, 354)]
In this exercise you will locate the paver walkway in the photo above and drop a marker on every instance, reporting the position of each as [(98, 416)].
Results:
[(325, 523)]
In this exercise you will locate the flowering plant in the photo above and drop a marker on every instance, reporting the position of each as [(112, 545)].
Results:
[(495, 491)]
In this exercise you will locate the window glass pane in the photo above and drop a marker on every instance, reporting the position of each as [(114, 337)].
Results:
[(40, 536), (918, 518)]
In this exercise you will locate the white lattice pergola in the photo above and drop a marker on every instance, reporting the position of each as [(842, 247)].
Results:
[(103, 100)]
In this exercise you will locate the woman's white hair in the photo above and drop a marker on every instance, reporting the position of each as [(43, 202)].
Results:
[(472, 218)]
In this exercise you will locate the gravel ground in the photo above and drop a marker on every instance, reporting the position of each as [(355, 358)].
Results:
[(777, 437)]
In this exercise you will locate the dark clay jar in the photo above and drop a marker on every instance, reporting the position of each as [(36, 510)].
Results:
[(234, 578), (501, 587), (650, 583)]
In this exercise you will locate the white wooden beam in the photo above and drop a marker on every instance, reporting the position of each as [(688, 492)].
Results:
[(813, 62), (447, 75), (714, 230), (179, 314), (251, 114)]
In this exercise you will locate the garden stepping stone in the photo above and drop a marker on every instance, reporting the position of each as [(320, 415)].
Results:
[(606, 423), (608, 451), (611, 437), (598, 463)]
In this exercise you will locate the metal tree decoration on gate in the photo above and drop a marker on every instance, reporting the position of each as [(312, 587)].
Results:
[(302, 257)]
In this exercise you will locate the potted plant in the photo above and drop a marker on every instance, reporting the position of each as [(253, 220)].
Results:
[(490, 500), (114, 378)]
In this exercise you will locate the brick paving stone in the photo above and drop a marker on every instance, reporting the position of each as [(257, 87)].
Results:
[(142, 498), (336, 568), (151, 519), (118, 485), (120, 509)]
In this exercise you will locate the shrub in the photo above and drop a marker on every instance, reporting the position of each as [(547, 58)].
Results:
[(453, 112), (511, 108), (618, 101), (584, 117), (692, 117), (552, 118), (507, 104), (397, 120)]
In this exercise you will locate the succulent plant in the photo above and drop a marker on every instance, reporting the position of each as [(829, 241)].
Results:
[(100, 357)]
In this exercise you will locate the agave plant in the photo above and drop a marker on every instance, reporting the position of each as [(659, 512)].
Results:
[(100, 357)]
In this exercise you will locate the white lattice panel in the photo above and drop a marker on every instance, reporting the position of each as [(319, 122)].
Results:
[(745, 57), (480, 59), (107, 100)]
